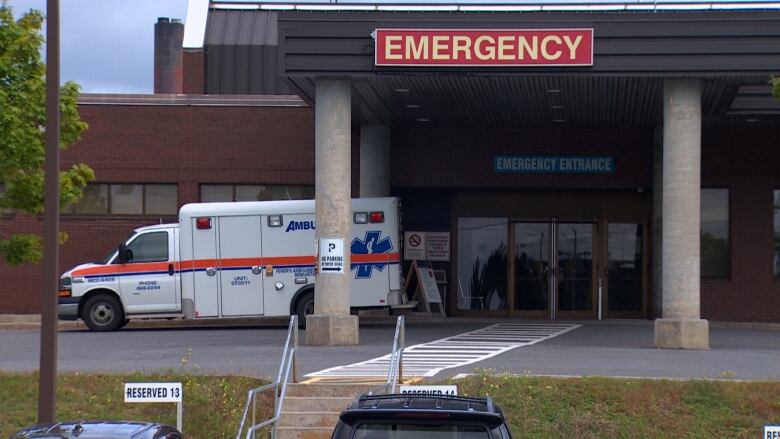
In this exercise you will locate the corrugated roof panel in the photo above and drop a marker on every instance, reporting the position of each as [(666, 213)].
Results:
[(241, 52)]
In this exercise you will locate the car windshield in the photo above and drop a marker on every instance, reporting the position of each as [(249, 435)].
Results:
[(414, 431), (108, 257)]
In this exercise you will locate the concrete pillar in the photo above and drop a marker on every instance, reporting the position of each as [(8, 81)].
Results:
[(374, 161), (332, 323), (681, 325)]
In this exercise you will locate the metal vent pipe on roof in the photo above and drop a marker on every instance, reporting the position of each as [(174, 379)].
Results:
[(168, 61)]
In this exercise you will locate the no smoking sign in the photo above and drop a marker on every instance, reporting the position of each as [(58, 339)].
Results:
[(414, 246)]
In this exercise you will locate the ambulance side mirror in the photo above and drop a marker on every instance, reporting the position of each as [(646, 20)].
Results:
[(124, 254)]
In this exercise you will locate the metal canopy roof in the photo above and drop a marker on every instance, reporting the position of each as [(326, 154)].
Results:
[(248, 48), (543, 101)]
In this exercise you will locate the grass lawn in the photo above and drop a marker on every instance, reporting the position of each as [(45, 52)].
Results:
[(212, 404), (619, 408), (536, 407)]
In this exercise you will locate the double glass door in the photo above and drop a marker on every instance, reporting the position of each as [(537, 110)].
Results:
[(553, 269), (574, 270)]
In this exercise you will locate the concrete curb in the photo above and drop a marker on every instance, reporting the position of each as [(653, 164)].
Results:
[(33, 321)]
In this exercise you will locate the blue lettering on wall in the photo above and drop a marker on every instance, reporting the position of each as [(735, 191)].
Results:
[(551, 164)]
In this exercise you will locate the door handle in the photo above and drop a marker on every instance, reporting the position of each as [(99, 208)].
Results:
[(170, 269), (211, 271), (255, 269)]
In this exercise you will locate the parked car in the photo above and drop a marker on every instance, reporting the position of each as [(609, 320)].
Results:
[(99, 429), (421, 416)]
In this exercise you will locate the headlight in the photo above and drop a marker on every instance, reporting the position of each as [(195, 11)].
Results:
[(65, 283), (65, 287)]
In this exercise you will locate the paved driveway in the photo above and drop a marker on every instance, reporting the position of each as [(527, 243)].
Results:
[(613, 348)]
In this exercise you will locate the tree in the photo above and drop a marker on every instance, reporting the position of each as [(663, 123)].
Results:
[(776, 87), (22, 130)]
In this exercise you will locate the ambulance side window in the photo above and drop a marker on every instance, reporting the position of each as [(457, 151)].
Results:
[(149, 247)]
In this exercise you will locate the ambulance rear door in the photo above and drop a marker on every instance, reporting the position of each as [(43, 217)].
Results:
[(374, 247), (204, 266), (241, 276)]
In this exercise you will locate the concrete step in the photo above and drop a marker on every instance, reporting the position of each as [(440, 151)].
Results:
[(309, 419), (325, 390), (315, 404), (304, 432)]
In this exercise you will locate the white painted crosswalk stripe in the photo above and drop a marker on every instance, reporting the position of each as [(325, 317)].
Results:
[(428, 359)]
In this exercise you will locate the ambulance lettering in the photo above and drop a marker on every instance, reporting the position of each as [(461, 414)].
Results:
[(299, 225), (99, 279), (240, 281), (147, 285), (371, 245)]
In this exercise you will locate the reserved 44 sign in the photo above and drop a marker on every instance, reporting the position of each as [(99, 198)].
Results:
[(430, 390)]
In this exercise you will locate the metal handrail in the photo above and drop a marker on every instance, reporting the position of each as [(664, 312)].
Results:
[(279, 386), (395, 371)]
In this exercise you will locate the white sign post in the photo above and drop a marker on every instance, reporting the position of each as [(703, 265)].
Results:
[(331, 257), (157, 392)]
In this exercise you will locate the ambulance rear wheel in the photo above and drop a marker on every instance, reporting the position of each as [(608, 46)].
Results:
[(304, 307), (103, 313)]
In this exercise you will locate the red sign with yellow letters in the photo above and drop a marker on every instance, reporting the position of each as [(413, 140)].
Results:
[(483, 47)]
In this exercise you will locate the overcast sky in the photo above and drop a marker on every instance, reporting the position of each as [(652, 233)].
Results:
[(107, 46)]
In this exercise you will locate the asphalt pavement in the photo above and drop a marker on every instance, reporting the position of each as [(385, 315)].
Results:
[(608, 348)]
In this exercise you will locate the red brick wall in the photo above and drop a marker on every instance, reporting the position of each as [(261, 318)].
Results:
[(747, 161), (164, 144), (194, 74), (88, 240), (193, 145)]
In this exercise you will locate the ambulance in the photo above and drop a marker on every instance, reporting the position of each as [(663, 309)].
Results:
[(227, 260)]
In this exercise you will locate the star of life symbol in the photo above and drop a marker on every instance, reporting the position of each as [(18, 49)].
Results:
[(369, 246)]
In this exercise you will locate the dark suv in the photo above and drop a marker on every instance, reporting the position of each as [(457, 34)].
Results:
[(421, 416)]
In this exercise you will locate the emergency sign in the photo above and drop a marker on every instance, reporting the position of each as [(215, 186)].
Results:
[(483, 47)]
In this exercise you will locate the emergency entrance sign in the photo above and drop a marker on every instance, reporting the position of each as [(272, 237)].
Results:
[(331, 257)]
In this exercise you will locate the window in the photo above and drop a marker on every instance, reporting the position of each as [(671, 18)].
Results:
[(93, 201), (715, 250), (149, 247), (776, 238), (482, 269), (443, 430), (210, 193), (161, 199), (127, 199)]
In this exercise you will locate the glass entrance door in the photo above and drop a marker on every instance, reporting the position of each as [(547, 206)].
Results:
[(552, 268), (532, 267), (574, 249)]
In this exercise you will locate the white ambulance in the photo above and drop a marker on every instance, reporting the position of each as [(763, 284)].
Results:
[(227, 260)]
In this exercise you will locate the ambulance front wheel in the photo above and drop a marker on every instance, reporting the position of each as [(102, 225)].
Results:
[(304, 307), (103, 313)]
